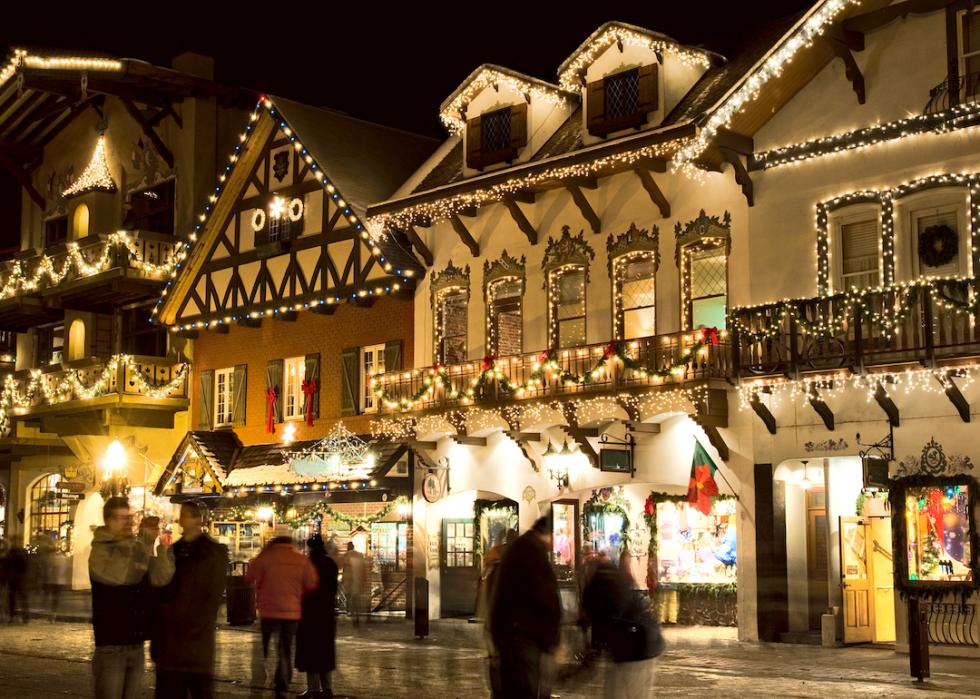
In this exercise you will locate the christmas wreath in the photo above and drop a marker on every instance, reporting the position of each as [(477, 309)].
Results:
[(938, 245)]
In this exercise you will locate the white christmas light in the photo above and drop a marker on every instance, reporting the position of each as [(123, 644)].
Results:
[(96, 176)]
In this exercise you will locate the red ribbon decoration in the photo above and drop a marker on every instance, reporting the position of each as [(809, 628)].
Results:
[(271, 396), (612, 349), (709, 336), (309, 389), (488, 362)]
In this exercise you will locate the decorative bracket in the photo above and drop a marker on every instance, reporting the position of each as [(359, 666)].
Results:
[(520, 219)]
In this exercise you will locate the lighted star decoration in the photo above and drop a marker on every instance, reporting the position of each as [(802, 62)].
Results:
[(341, 455), (96, 176)]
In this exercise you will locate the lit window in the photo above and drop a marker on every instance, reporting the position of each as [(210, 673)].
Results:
[(568, 305), (506, 317), (859, 254), (635, 296), (80, 222), (937, 242), (372, 362), (294, 369), (452, 305), (224, 391), (938, 532), (707, 270), (969, 44), (51, 512)]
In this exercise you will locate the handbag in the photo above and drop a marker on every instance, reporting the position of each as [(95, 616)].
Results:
[(636, 635)]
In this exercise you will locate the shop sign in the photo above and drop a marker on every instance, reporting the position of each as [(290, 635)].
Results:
[(615, 461), (76, 478)]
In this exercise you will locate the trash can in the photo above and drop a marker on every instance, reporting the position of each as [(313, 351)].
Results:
[(239, 596), (421, 608)]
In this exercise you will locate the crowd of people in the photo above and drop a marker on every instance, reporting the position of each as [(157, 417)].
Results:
[(45, 571)]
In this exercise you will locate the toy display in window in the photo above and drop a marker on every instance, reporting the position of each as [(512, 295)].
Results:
[(693, 547), (607, 533), (938, 533)]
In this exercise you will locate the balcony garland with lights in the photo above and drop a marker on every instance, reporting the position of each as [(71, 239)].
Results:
[(547, 367), (294, 518)]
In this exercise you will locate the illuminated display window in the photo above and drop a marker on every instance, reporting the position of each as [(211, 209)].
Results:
[(693, 547), (937, 533)]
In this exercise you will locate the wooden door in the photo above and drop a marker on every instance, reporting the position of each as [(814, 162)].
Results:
[(856, 583), (883, 579), (817, 556), (459, 575)]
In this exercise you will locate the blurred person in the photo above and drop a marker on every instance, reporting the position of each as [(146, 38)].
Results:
[(122, 571), (57, 578), (281, 575), (622, 623), (525, 614), (316, 652), (488, 580), (183, 645), (17, 567), (355, 580), (4, 551)]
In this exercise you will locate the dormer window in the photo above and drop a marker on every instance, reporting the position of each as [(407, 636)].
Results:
[(622, 100), (496, 136)]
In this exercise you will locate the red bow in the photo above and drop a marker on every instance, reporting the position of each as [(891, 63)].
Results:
[(309, 389), (436, 367), (648, 506), (271, 396), (488, 362), (612, 349), (709, 336)]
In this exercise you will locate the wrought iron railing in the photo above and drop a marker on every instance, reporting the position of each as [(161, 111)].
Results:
[(921, 323), (662, 355), (951, 623), (953, 91)]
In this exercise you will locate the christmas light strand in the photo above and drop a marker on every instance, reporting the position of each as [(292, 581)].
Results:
[(51, 389), (21, 57), (96, 176)]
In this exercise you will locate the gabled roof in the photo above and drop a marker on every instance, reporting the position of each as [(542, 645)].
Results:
[(628, 34), (217, 448), (489, 74)]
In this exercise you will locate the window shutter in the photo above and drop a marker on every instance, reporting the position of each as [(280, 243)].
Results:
[(518, 125), (393, 355), (238, 397), (312, 373), (206, 415), (649, 94), (595, 105), (350, 381), (273, 379), (474, 143)]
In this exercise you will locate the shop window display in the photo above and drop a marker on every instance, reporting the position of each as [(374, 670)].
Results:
[(693, 547), (389, 544), (938, 533)]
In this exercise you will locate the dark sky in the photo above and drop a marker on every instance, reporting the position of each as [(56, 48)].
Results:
[(391, 64)]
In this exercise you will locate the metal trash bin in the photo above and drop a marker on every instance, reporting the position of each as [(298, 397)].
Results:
[(421, 608), (239, 596)]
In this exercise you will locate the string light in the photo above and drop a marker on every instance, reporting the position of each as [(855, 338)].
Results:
[(748, 88), (51, 389), (624, 35), (96, 176), (21, 57)]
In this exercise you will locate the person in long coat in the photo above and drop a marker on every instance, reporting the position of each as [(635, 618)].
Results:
[(316, 653)]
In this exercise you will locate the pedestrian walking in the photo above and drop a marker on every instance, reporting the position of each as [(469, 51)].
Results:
[(622, 623), (281, 575), (122, 571), (18, 566), (488, 584), (316, 652), (525, 614), (355, 580), (57, 578), (183, 646)]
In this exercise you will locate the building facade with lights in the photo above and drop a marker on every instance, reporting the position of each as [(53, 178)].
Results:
[(291, 307), (110, 155), (822, 190)]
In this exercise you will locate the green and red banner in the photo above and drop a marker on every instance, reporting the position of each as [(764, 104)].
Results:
[(702, 486)]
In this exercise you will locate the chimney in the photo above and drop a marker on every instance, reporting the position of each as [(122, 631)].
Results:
[(196, 64)]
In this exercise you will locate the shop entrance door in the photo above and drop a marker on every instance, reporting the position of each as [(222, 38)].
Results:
[(883, 579), (856, 582), (459, 575), (818, 563)]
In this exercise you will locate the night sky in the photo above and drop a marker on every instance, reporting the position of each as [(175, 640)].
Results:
[(390, 64)]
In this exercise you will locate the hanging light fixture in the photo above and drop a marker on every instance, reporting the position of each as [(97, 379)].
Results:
[(558, 464), (806, 483)]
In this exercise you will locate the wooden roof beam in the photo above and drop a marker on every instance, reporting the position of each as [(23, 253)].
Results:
[(578, 434), (649, 184), (841, 44), (520, 219), (737, 142), (464, 235), (741, 174), (585, 207), (888, 405), (762, 410), (11, 166), (158, 145), (956, 397), (420, 247), (883, 15), (821, 408)]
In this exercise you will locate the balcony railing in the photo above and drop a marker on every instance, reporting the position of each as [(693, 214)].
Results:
[(953, 91), (927, 323), (670, 360), (25, 392)]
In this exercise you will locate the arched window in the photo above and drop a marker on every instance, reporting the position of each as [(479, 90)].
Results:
[(50, 511), (634, 259), (79, 222), (503, 292), (76, 339), (450, 295), (566, 267), (702, 255)]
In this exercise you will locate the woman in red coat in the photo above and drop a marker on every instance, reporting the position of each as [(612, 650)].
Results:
[(316, 653)]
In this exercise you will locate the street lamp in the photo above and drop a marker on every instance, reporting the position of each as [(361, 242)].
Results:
[(114, 470)]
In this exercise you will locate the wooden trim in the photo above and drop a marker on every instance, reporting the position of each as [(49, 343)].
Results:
[(741, 174), (151, 135), (520, 219), (654, 192), (464, 235), (8, 164), (588, 213), (420, 247)]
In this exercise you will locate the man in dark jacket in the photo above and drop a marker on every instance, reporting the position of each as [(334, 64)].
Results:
[(525, 614), (122, 569), (183, 645)]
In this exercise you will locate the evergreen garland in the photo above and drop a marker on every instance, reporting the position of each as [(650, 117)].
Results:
[(602, 501), (322, 510)]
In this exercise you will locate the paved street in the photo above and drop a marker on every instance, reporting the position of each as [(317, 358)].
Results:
[(45, 659)]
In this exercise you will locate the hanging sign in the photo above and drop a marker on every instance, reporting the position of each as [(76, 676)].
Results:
[(615, 460)]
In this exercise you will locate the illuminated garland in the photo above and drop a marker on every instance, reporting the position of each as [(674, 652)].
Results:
[(321, 510), (48, 273), (546, 366), (71, 387), (20, 57), (603, 501), (845, 304), (955, 117), (95, 176), (752, 83)]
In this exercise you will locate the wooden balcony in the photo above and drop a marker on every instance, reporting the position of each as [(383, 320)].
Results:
[(95, 273), (85, 396), (931, 324), (521, 377)]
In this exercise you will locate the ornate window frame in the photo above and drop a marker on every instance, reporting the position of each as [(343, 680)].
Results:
[(450, 280), (703, 233), (503, 269), (635, 243), (562, 254)]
